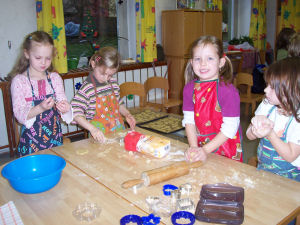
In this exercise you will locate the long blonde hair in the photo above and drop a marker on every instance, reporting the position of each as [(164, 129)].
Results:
[(225, 71), (22, 62)]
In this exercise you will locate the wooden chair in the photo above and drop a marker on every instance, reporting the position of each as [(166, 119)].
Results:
[(236, 59), (163, 103), (262, 56), (244, 82), (133, 88), (253, 161)]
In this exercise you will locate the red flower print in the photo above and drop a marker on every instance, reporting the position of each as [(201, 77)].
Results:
[(53, 12), (143, 45)]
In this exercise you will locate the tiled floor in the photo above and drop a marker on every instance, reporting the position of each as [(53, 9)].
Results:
[(249, 147)]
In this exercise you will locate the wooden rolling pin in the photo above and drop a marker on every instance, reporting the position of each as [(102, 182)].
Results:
[(162, 174)]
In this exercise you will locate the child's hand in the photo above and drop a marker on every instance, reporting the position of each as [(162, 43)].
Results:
[(259, 121), (261, 126), (97, 135), (63, 106), (194, 154), (47, 104), (131, 121)]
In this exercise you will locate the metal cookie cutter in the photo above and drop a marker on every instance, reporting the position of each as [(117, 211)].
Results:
[(185, 189), (161, 207), (185, 204), (86, 211), (152, 200), (175, 195)]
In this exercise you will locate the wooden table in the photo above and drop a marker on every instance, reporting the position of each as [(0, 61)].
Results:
[(96, 171), (269, 198), (56, 205)]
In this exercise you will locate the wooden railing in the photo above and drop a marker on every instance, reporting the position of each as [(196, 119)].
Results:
[(137, 72)]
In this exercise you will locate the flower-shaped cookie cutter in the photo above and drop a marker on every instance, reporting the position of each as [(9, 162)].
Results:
[(151, 219), (86, 211)]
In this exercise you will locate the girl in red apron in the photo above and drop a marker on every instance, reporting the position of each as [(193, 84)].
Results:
[(96, 104), (211, 103), (38, 96), (277, 121)]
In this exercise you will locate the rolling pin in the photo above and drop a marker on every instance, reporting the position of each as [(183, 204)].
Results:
[(162, 174)]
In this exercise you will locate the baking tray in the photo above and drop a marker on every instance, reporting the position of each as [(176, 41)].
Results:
[(165, 125), (147, 116)]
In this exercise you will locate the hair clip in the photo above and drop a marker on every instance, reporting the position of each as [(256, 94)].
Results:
[(30, 37), (98, 58)]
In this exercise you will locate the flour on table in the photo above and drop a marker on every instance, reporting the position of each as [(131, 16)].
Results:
[(103, 153), (82, 151)]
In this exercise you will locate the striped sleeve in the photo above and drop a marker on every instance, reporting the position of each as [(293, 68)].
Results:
[(81, 101)]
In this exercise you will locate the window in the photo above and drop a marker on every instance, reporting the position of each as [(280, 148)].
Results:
[(90, 24)]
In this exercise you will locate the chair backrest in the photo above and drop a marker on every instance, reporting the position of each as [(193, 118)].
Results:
[(157, 82), (244, 79), (133, 88), (236, 59), (262, 56)]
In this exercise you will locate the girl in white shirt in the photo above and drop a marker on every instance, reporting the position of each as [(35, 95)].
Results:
[(277, 120)]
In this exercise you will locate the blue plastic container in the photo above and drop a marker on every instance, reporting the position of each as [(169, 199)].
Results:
[(35, 173)]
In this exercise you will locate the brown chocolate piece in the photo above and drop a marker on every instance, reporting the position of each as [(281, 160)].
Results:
[(219, 213), (221, 203), (222, 192)]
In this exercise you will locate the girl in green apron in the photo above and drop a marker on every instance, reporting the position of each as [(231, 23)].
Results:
[(277, 120), (96, 105)]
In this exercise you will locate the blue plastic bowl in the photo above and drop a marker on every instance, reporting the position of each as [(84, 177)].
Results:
[(35, 173)]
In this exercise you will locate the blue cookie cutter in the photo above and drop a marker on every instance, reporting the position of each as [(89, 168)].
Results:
[(151, 219), (167, 188), (131, 218), (185, 215)]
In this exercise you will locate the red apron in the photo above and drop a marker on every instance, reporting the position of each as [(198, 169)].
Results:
[(107, 118), (208, 119)]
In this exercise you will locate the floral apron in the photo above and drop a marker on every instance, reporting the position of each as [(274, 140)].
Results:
[(270, 160), (107, 118), (46, 130), (208, 119)]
